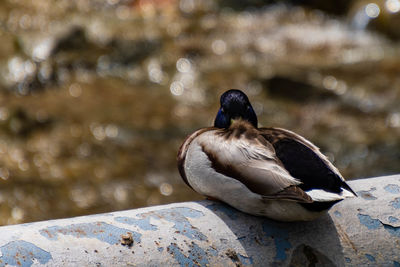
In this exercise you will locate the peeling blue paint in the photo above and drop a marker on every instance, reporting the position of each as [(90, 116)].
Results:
[(143, 223), (370, 257), (184, 227), (393, 219), (393, 188), (348, 260), (395, 203), (225, 209), (22, 253), (337, 214), (245, 260), (396, 264), (367, 195), (212, 251), (395, 231), (160, 249), (370, 223), (100, 230), (178, 216), (182, 224), (280, 235), (196, 257), (374, 224)]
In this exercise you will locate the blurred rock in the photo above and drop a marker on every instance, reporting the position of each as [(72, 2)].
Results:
[(70, 51), (73, 39), (339, 7), (128, 52), (20, 123), (298, 91), (241, 5)]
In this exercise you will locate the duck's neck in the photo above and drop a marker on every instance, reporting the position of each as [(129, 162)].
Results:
[(239, 128), (242, 125), (225, 119)]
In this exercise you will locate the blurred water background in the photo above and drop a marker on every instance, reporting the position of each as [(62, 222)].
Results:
[(96, 96)]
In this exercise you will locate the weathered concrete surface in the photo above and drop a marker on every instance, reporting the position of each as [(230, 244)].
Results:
[(357, 232)]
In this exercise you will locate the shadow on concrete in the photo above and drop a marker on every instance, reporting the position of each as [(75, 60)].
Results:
[(313, 243)]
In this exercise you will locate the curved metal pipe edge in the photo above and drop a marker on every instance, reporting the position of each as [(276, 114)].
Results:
[(356, 232)]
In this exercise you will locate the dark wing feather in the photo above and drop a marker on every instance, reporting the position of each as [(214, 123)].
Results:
[(304, 161)]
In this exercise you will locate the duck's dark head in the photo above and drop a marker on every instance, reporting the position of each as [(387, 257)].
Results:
[(234, 105)]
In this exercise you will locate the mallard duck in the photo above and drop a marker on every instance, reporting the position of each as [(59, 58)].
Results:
[(269, 172)]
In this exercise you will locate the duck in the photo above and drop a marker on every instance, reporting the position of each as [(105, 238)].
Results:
[(270, 172)]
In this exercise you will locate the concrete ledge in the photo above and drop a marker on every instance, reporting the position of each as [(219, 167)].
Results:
[(357, 232)]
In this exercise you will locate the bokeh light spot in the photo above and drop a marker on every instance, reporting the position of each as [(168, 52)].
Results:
[(393, 6), (372, 10)]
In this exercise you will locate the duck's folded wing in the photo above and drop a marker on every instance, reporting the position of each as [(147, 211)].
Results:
[(253, 162), (303, 160), (183, 149)]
